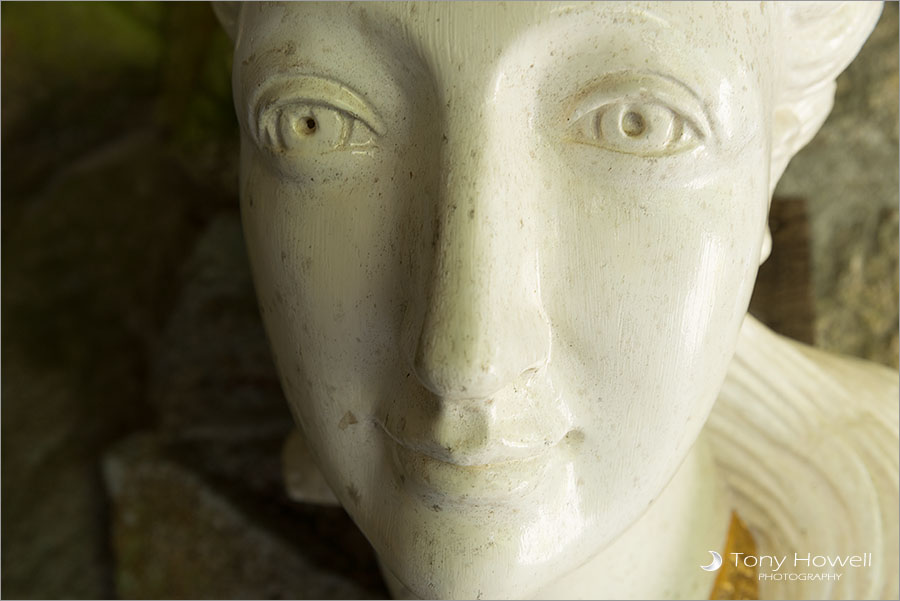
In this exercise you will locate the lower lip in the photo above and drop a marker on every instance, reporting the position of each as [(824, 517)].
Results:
[(496, 482)]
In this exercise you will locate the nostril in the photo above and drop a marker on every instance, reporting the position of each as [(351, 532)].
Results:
[(529, 374)]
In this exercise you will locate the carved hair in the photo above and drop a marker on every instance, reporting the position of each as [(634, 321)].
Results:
[(819, 39)]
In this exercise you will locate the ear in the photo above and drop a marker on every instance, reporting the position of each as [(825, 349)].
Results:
[(794, 124), (766, 249), (228, 13)]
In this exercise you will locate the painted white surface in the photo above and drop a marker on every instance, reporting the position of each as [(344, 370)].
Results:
[(503, 254)]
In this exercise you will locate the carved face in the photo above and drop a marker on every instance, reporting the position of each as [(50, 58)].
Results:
[(502, 253)]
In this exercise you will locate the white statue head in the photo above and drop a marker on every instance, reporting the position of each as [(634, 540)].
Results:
[(503, 251)]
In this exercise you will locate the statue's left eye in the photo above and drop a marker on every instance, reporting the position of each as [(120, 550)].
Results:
[(641, 127)]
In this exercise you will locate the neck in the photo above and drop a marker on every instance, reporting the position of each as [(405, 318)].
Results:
[(659, 556)]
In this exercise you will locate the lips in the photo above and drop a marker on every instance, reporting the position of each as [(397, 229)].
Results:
[(449, 476), (492, 449)]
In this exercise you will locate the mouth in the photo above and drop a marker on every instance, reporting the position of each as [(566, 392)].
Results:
[(452, 478)]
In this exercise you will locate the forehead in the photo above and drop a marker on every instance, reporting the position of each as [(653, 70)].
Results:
[(450, 33)]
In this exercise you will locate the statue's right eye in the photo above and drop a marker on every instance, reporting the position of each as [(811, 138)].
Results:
[(302, 118), (308, 129)]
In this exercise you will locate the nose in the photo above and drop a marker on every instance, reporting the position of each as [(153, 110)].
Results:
[(483, 323)]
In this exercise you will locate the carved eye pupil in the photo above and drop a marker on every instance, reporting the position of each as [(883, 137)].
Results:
[(306, 126), (632, 124)]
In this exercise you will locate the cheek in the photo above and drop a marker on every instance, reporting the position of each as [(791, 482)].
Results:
[(330, 265), (646, 285), (647, 293)]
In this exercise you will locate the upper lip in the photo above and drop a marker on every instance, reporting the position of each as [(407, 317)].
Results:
[(494, 476), (492, 453), (518, 424)]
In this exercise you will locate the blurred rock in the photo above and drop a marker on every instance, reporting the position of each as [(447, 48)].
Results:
[(212, 374), (75, 77), (54, 507), (213, 385), (176, 536), (849, 176), (858, 307), (85, 284)]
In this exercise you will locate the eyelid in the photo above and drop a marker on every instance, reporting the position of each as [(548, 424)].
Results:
[(315, 91), (626, 85)]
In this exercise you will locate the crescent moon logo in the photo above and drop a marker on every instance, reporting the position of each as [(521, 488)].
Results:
[(715, 564)]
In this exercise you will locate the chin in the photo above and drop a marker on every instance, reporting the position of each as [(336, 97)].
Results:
[(438, 547)]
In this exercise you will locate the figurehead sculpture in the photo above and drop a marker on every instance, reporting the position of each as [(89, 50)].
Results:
[(503, 254)]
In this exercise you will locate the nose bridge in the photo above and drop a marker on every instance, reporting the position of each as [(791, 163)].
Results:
[(483, 324)]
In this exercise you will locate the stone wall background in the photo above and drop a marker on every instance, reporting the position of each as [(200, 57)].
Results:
[(141, 418), (848, 175)]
